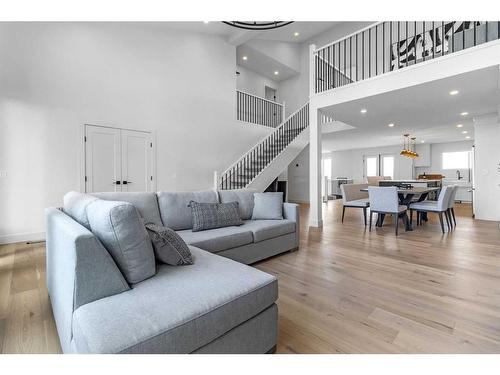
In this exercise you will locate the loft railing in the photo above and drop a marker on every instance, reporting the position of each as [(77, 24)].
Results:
[(387, 46), (257, 110), (252, 163)]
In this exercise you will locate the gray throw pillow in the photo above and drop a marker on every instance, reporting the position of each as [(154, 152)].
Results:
[(268, 206), (214, 215), (169, 247), (120, 228)]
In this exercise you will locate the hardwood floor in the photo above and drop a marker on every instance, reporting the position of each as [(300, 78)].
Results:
[(345, 291)]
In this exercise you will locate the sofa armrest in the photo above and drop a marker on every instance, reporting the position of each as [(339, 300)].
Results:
[(291, 212), (79, 270)]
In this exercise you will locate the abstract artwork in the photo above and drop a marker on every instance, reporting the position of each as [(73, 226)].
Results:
[(433, 42)]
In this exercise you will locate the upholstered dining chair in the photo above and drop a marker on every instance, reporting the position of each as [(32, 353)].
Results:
[(451, 205), (440, 206), (384, 200), (353, 197)]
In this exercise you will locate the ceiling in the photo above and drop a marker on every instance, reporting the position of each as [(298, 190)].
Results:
[(306, 30), (426, 111), (263, 64)]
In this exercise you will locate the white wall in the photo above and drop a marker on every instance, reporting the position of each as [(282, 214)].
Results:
[(254, 83), (54, 77), (487, 168), (295, 91), (349, 163), (436, 166), (298, 178)]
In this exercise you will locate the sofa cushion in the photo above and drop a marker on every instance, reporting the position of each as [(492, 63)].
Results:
[(214, 215), (75, 203), (169, 247), (215, 240), (244, 197), (121, 230), (145, 202), (265, 229), (178, 311), (174, 207), (268, 206)]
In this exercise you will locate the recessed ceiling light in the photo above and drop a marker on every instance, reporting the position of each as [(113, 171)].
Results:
[(390, 125), (245, 58), (468, 137), (276, 72), (422, 141), (459, 125), (464, 113), (464, 132), (453, 92), (363, 110), (206, 21), (296, 34)]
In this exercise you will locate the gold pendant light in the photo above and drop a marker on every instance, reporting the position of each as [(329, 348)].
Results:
[(409, 147)]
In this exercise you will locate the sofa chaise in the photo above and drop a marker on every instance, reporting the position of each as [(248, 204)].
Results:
[(217, 305)]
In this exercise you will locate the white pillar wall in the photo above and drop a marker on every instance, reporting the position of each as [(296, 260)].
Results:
[(487, 167), (315, 214)]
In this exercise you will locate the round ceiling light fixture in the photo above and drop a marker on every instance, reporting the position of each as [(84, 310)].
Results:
[(257, 25)]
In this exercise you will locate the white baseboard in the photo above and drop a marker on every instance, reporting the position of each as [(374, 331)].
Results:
[(22, 237)]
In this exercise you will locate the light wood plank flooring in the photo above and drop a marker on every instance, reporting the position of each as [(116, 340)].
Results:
[(345, 291)]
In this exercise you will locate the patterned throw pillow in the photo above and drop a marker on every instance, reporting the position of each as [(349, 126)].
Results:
[(169, 247), (214, 215)]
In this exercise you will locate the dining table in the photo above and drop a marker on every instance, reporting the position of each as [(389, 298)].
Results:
[(406, 196)]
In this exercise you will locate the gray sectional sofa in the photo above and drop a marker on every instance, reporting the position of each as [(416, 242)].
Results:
[(217, 305)]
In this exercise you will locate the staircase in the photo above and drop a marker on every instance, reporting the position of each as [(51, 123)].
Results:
[(265, 161)]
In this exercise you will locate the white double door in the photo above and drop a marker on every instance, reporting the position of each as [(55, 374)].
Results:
[(118, 160)]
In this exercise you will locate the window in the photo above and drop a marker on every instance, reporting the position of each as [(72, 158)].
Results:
[(371, 166), (456, 160), (388, 166), (327, 168)]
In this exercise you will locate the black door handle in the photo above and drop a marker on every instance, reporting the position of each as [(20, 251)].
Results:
[(127, 182), (117, 182)]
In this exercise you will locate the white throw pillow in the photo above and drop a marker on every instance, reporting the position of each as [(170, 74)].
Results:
[(268, 206)]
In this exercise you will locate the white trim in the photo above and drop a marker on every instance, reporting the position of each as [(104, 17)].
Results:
[(22, 237), (351, 34)]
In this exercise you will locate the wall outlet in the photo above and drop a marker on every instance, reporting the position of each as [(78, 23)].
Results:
[(3, 174)]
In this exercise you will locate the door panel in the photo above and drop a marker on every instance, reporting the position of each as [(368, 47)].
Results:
[(136, 160), (102, 159)]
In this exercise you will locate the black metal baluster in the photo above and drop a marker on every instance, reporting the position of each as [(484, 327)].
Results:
[(399, 45), (376, 50), (383, 47), (406, 36), (433, 40), (345, 58), (350, 58), (363, 55), (474, 33), (369, 52), (443, 36), (357, 78), (390, 45)]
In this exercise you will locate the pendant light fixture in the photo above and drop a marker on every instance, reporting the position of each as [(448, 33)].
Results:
[(409, 147)]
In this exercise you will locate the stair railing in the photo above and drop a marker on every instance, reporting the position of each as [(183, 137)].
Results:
[(254, 161), (384, 47), (256, 110)]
